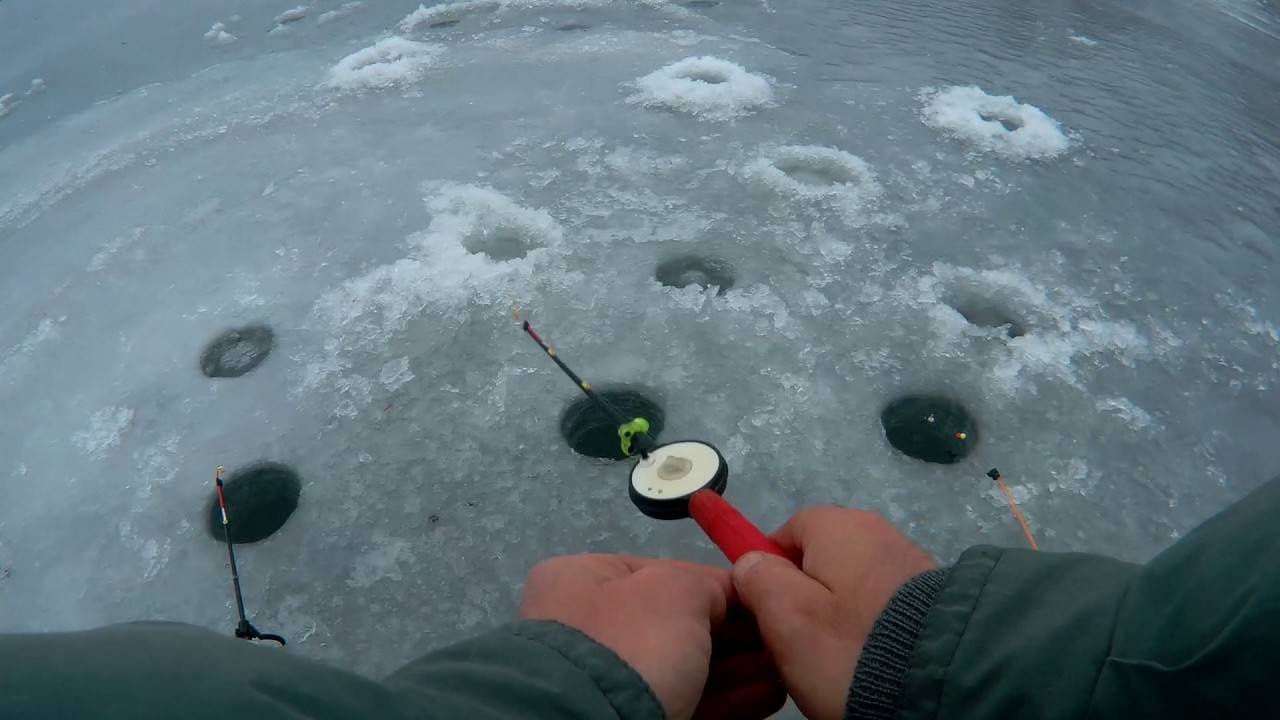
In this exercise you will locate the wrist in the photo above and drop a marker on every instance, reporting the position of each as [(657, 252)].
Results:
[(886, 656)]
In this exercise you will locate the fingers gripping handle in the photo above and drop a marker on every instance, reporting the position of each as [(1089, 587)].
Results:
[(727, 528)]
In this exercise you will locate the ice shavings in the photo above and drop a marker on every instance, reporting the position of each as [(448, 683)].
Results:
[(993, 123), (341, 11), (445, 14), (105, 430), (706, 87), (1132, 415), (1063, 325), (395, 373), (844, 182), (292, 15), (447, 262), (8, 102), (37, 86), (218, 35), (390, 61)]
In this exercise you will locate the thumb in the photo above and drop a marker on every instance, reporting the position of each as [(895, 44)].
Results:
[(783, 599)]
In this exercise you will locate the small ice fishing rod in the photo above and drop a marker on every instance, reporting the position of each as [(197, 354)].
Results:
[(244, 629), (633, 433), (677, 480)]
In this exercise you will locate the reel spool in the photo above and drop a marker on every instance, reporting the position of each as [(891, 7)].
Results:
[(662, 483)]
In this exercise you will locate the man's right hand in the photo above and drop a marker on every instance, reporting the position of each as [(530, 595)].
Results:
[(815, 619)]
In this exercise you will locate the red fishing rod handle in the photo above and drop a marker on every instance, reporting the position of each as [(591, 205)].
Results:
[(727, 528)]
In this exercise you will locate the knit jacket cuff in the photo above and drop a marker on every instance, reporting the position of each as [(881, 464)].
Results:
[(878, 679)]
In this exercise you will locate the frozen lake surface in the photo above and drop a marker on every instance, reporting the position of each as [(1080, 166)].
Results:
[(1063, 216)]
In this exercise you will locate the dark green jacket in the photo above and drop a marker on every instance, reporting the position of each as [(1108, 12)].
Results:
[(172, 671), (1195, 633)]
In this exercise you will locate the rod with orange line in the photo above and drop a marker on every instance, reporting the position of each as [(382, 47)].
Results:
[(994, 474)]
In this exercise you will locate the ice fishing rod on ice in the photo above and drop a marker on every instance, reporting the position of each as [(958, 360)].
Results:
[(244, 629), (685, 479)]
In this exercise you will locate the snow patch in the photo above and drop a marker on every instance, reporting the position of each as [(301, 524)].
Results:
[(445, 15), (807, 172), (8, 102), (105, 430), (706, 87), (341, 11), (1081, 39), (218, 35), (37, 86), (390, 61), (993, 123), (292, 15)]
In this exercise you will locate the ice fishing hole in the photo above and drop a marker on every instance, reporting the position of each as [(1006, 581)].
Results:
[(984, 314), (816, 172), (499, 244), (931, 428), (686, 270), (1010, 122), (237, 351), (260, 498), (700, 4), (443, 23), (589, 431)]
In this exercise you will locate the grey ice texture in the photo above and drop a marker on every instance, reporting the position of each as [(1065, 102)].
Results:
[(382, 185)]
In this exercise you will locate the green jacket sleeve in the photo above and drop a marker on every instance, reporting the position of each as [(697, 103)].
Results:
[(1194, 633), (167, 670)]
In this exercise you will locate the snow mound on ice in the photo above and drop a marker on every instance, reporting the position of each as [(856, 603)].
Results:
[(842, 181), (390, 61), (706, 87), (993, 123)]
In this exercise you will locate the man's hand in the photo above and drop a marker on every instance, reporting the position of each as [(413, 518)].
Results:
[(816, 618), (659, 616)]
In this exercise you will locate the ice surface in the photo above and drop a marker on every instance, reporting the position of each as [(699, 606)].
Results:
[(1081, 39), (993, 123), (395, 373), (706, 87), (390, 61), (105, 429), (159, 193)]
